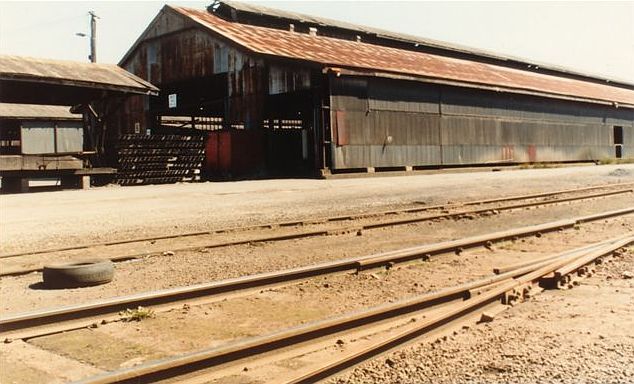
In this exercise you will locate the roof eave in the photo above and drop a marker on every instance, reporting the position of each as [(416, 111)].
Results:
[(351, 71), (145, 90)]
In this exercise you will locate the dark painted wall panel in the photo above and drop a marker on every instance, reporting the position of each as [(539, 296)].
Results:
[(396, 123)]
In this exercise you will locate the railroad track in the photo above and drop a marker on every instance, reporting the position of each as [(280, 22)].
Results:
[(55, 320), (549, 198), (444, 308)]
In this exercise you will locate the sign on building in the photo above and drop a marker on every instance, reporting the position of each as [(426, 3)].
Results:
[(171, 100)]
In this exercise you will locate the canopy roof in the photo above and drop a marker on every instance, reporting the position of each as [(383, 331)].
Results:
[(43, 81)]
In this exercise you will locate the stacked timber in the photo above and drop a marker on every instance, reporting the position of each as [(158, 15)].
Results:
[(159, 159)]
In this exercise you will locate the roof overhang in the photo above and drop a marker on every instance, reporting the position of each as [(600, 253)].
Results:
[(10, 111), (41, 81), (339, 71)]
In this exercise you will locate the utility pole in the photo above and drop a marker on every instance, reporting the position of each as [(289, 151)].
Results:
[(93, 37)]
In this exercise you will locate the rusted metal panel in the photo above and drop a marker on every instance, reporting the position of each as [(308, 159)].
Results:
[(341, 128), (288, 79), (163, 24), (491, 154), (374, 58), (186, 55), (362, 156), (178, 56), (234, 153), (233, 10), (248, 77), (491, 131)]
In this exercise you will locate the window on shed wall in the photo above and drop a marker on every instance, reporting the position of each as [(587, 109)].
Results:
[(221, 58), (618, 134)]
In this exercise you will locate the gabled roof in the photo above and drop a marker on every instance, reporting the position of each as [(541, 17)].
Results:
[(382, 60), (238, 10), (71, 73), (34, 111)]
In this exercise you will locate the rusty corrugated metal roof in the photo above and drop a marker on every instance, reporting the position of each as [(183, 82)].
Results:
[(260, 10), (331, 52), (35, 111), (89, 75)]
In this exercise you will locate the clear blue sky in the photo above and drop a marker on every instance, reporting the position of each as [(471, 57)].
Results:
[(595, 37)]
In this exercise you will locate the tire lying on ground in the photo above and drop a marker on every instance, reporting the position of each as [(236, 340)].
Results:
[(79, 274)]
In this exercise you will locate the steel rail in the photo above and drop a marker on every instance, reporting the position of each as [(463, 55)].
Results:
[(313, 233), (499, 285), (460, 310), (39, 318), (313, 220)]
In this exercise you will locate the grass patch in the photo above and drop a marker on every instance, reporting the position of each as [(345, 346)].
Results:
[(138, 314), (537, 165)]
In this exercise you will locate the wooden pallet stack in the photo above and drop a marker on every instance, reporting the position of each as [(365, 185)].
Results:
[(159, 159)]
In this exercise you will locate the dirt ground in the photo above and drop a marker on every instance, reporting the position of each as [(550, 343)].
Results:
[(48, 219), (579, 335), (192, 267)]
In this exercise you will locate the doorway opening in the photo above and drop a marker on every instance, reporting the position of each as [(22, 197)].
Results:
[(618, 141)]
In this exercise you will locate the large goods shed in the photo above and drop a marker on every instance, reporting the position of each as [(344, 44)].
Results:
[(291, 93)]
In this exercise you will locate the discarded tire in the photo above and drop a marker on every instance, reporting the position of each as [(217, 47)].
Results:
[(80, 274)]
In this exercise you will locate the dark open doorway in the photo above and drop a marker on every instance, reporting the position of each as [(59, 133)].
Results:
[(618, 141)]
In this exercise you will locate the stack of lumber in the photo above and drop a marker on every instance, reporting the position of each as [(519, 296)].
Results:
[(159, 159)]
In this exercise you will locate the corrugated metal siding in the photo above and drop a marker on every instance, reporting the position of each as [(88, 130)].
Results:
[(472, 130), (459, 101), (390, 128), (361, 156), (403, 96), (403, 128), (491, 154)]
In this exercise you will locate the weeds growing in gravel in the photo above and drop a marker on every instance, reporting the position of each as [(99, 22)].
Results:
[(138, 314)]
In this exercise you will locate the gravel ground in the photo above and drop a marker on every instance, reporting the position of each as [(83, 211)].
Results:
[(179, 330), (50, 219), (582, 335), (192, 267)]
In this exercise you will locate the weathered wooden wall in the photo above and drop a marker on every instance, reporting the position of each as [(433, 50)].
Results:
[(209, 76)]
